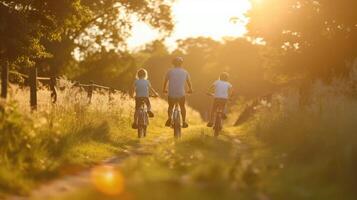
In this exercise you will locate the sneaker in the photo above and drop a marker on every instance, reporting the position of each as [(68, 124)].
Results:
[(210, 124), (134, 126), (184, 125), (168, 123), (151, 114)]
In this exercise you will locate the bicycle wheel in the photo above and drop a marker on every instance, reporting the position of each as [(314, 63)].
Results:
[(140, 131), (142, 124), (217, 125), (177, 131), (177, 124), (144, 131)]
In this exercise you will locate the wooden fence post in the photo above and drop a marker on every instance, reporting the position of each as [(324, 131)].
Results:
[(4, 80), (33, 88), (53, 89), (111, 92), (90, 91)]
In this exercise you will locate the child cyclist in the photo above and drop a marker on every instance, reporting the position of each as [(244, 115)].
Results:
[(222, 91), (142, 88)]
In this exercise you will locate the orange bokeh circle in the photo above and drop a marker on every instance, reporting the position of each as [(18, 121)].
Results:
[(108, 180)]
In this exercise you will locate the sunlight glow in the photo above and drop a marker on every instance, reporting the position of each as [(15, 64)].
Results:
[(108, 180), (210, 18), (194, 18)]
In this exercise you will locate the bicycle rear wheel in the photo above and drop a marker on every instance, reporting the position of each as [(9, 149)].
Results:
[(177, 131), (217, 125), (142, 124), (177, 124), (141, 131)]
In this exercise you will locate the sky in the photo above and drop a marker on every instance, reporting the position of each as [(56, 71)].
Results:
[(193, 18)]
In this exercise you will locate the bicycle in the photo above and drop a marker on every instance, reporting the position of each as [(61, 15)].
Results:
[(218, 122), (219, 116), (142, 118), (176, 120)]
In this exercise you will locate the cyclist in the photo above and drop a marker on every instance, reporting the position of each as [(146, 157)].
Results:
[(175, 80), (222, 90), (142, 88)]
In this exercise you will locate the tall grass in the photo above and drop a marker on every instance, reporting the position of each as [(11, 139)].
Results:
[(318, 139), (63, 137)]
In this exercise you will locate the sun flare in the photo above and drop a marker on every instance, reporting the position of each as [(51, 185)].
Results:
[(210, 18), (194, 18), (107, 180)]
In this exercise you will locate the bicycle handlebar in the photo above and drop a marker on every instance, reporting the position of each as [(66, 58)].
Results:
[(209, 94), (212, 95), (154, 96)]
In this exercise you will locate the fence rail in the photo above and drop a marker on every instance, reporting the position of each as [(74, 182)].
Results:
[(33, 79)]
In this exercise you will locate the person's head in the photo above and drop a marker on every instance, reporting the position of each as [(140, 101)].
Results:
[(177, 62), (142, 74), (224, 76)]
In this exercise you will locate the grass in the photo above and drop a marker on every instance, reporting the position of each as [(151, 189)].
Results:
[(318, 141), (66, 137), (195, 167), (288, 151)]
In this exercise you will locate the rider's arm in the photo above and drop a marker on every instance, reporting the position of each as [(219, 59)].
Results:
[(211, 89), (230, 92), (164, 89), (153, 91), (189, 84)]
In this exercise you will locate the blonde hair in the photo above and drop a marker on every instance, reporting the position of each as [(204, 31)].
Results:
[(224, 76), (142, 74)]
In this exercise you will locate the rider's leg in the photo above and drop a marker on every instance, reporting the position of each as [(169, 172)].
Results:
[(171, 107), (224, 107), (213, 111), (169, 111), (182, 103), (148, 105), (137, 106)]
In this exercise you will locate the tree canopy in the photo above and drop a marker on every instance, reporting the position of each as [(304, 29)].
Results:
[(205, 59), (38, 29), (306, 38)]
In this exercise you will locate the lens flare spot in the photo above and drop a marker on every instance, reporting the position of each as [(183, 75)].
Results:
[(108, 180)]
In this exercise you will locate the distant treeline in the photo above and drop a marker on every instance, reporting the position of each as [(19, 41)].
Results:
[(288, 41)]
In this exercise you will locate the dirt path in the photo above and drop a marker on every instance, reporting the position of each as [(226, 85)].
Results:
[(194, 142), (72, 183)]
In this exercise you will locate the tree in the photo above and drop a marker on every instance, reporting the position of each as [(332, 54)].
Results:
[(306, 38), (115, 69), (20, 35), (105, 25), (205, 59), (88, 26)]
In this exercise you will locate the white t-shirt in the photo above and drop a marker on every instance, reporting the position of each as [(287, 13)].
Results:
[(221, 89)]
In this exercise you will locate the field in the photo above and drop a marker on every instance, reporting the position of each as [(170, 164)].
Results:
[(291, 80), (285, 151), (63, 138)]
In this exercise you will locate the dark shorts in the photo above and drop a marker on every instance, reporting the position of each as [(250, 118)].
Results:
[(219, 103), (140, 100), (173, 101)]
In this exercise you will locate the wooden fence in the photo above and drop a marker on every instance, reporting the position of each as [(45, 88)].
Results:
[(33, 79)]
